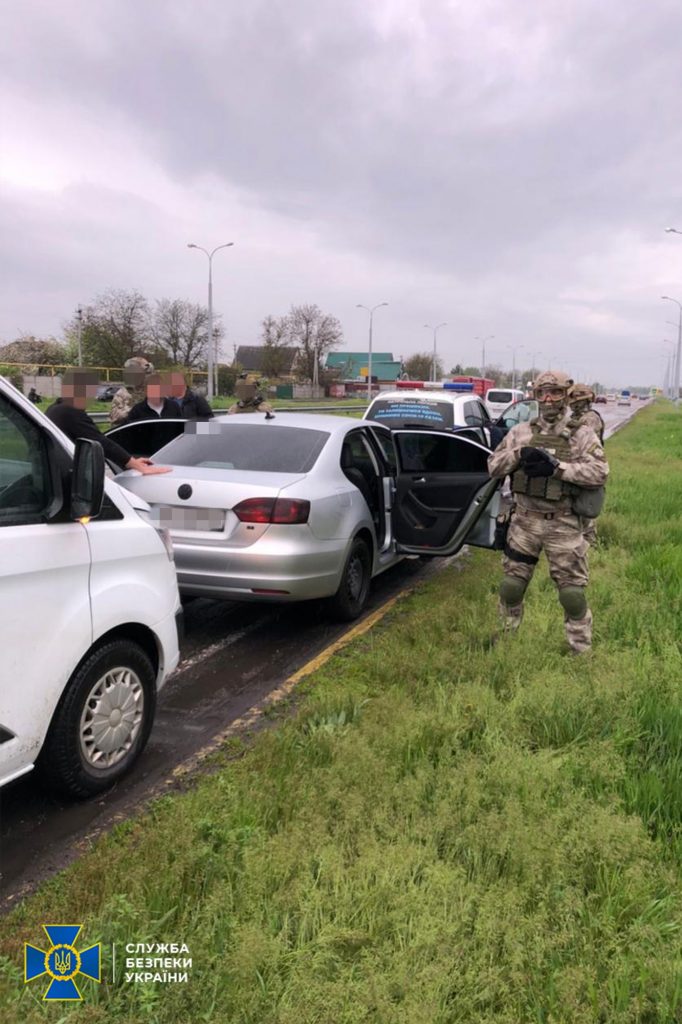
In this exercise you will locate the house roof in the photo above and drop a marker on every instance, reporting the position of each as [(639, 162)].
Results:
[(251, 357)]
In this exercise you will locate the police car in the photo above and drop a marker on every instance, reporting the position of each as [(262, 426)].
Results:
[(449, 405)]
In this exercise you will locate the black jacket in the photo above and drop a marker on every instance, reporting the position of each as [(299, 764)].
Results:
[(194, 407), (142, 411), (76, 423)]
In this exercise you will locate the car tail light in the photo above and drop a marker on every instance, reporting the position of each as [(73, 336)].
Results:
[(272, 510)]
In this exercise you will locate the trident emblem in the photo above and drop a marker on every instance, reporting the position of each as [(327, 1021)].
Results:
[(62, 961)]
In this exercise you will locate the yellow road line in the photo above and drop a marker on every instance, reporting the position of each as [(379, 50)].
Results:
[(279, 693)]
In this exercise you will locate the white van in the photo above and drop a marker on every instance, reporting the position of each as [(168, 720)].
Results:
[(497, 399), (89, 608)]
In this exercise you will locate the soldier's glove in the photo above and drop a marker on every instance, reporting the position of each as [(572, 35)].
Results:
[(537, 462)]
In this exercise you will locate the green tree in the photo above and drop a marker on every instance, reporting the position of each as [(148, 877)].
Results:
[(419, 366)]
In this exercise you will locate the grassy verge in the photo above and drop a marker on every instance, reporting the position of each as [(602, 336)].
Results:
[(444, 832)]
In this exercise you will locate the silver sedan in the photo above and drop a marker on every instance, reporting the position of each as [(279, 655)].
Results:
[(301, 506)]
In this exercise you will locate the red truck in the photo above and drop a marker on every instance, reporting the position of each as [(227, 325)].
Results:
[(481, 384)]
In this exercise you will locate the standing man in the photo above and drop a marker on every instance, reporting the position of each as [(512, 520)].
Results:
[(581, 397), (248, 397), (550, 459), (158, 405), (68, 413), (193, 406)]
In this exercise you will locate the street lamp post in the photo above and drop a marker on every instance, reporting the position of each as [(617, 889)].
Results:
[(532, 364), (79, 317), (370, 310), (488, 337), (676, 376), (210, 255), (514, 349), (670, 364), (435, 332)]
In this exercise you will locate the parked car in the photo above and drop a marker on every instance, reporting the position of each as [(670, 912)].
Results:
[(89, 608), (600, 400), (105, 392), (434, 406), (303, 506), (497, 399)]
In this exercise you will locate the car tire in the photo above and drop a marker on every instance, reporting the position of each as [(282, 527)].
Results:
[(102, 722), (350, 599)]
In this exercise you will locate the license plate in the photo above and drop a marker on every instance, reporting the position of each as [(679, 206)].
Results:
[(175, 517)]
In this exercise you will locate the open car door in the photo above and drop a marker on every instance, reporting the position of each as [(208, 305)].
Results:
[(145, 437), (444, 497), (523, 411)]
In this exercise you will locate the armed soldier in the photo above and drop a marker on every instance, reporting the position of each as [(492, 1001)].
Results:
[(581, 397), (248, 397), (135, 373), (557, 466)]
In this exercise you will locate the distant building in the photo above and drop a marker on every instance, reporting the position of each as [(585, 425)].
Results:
[(251, 357), (353, 365)]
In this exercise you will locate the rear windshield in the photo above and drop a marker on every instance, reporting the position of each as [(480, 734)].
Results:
[(412, 412), (500, 396), (270, 449)]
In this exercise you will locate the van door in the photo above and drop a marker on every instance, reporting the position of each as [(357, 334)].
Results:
[(44, 566), (445, 497)]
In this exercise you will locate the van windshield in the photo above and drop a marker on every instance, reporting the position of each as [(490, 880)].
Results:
[(500, 396), (412, 412)]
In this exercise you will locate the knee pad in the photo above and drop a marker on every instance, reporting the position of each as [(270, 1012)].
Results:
[(573, 601), (512, 590)]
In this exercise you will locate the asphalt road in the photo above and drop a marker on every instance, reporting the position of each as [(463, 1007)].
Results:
[(233, 656)]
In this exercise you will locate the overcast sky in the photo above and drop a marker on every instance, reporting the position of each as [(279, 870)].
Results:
[(506, 166)]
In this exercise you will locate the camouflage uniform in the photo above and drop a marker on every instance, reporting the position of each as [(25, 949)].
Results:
[(121, 404), (248, 399), (543, 519), (580, 398)]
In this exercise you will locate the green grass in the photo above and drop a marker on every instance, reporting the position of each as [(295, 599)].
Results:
[(445, 831)]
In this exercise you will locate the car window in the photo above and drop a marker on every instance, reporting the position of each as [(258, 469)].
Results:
[(520, 412), (260, 449), (387, 447), (25, 489), (431, 453), (500, 396), (411, 412), (472, 414)]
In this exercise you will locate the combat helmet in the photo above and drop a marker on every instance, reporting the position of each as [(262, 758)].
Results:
[(552, 379), (552, 406), (246, 389), (580, 393)]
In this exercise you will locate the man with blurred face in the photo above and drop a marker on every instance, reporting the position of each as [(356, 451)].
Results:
[(158, 403), (192, 405), (551, 459), (68, 413)]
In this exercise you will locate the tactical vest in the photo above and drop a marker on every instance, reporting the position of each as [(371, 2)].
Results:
[(551, 488)]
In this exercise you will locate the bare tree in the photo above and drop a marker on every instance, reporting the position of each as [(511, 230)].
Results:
[(275, 332), (180, 331), (419, 366), (114, 328), (314, 333)]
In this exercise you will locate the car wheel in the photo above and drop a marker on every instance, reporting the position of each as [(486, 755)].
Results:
[(351, 597), (102, 722)]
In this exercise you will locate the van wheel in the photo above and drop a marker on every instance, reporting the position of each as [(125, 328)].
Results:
[(102, 722), (351, 597)]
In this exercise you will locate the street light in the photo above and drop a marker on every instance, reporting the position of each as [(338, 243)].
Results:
[(670, 365), (674, 231), (435, 332), (79, 317), (532, 364), (514, 349), (210, 255), (488, 337), (676, 377), (370, 310)]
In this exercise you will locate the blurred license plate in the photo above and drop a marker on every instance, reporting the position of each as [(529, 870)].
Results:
[(180, 518)]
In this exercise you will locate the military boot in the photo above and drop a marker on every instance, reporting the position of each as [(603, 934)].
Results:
[(579, 633)]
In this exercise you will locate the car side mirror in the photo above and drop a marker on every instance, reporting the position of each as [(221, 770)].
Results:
[(87, 479)]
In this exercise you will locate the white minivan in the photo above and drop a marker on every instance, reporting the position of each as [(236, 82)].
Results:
[(497, 399), (89, 608)]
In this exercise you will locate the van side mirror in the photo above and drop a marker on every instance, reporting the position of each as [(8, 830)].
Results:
[(87, 479)]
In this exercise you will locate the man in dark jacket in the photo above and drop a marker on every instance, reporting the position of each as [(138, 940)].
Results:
[(68, 413), (192, 405), (158, 405)]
